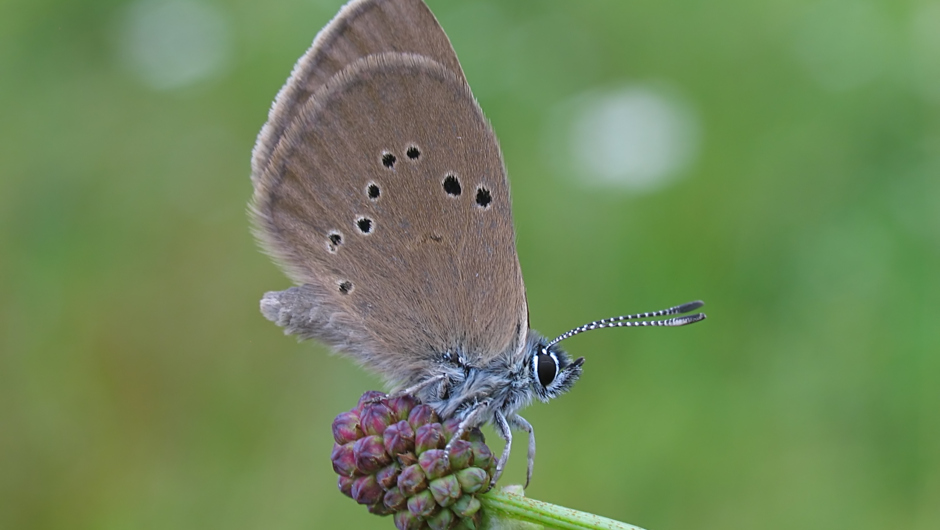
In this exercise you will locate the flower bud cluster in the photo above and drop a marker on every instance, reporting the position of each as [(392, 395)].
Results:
[(391, 455)]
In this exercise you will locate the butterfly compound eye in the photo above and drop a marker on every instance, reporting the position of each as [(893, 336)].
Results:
[(547, 368)]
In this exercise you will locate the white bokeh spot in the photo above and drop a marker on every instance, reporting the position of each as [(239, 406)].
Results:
[(171, 44), (638, 138)]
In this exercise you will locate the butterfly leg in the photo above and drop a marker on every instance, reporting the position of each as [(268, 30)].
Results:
[(520, 423), (414, 389), (469, 422), (502, 427)]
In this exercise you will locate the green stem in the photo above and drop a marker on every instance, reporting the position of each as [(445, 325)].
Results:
[(506, 509)]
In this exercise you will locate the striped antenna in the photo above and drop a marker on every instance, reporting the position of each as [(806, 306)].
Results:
[(630, 321)]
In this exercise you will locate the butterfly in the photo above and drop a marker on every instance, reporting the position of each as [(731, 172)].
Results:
[(380, 189)]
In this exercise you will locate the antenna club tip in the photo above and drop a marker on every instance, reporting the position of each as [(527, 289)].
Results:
[(691, 306), (685, 320)]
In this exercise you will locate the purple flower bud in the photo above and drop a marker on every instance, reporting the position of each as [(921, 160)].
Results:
[(428, 437), (395, 499), (346, 428), (406, 520), (434, 463), (371, 396), (445, 490), (399, 438), (344, 459), (366, 490), (380, 509), (472, 479), (442, 520), (370, 454), (460, 454), (466, 506), (392, 455), (422, 504), (375, 418), (422, 415), (345, 485), (402, 405), (388, 475), (412, 480), (450, 427), (482, 456)]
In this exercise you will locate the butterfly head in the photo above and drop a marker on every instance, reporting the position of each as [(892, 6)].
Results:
[(552, 372)]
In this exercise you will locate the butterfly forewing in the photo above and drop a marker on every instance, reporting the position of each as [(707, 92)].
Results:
[(361, 28), (396, 214)]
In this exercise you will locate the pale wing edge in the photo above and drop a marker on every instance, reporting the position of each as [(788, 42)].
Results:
[(278, 119)]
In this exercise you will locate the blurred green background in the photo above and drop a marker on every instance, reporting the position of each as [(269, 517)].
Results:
[(797, 192)]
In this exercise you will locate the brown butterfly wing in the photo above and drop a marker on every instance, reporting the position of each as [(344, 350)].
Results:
[(361, 28), (360, 204)]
